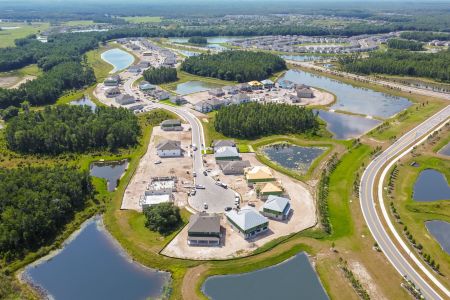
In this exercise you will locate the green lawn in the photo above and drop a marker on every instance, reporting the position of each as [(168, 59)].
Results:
[(185, 77), (79, 23), (7, 37), (143, 19), (101, 67)]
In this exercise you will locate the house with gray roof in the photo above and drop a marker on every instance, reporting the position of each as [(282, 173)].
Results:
[(216, 92), (230, 90), (247, 222), (124, 99), (204, 230), (226, 153), (305, 93), (234, 167), (240, 99), (145, 86), (134, 69), (268, 84), (112, 81), (171, 125), (112, 92), (276, 207), (223, 143), (169, 148)]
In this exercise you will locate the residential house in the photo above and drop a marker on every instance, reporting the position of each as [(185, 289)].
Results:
[(223, 143), (258, 174), (203, 107), (247, 222), (269, 188), (204, 230), (268, 84), (226, 153), (159, 94), (112, 81), (143, 64), (124, 99), (169, 148), (255, 85), (244, 87), (145, 86), (171, 125), (240, 99), (178, 100), (216, 92), (235, 167), (134, 69), (112, 92), (294, 99), (285, 84), (230, 90), (276, 207), (305, 93)]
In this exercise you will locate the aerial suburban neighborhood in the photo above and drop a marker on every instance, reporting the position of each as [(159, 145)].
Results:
[(252, 149)]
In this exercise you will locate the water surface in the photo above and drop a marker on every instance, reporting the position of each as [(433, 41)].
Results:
[(92, 266), (111, 171), (118, 58), (294, 279), (431, 185), (440, 230), (344, 126), (350, 98), (445, 150), (293, 157), (194, 86), (84, 101)]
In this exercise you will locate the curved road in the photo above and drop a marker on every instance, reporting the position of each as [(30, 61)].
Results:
[(397, 252)]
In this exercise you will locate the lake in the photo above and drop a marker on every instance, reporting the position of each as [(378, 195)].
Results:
[(291, 156), (92, 266), (440, 230), (118, 58), (295, 278), (111, 171), (303, 57), (350, 98), (445, 150), (344, 126), (194, 86), (84, 101), (431, 185)]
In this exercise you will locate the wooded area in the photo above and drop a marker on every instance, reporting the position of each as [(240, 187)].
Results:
[(160, 75), (254, 120), (36, 203), (72, 128), (240, 66), (405, 45), (199, 40), (425, 36)]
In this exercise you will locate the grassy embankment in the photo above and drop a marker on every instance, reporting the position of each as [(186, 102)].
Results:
[(7, 36), (185, 77), (11, 78)]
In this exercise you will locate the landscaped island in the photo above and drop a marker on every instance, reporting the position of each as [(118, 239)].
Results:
[(160, 75), (199, 40), (240, 66)]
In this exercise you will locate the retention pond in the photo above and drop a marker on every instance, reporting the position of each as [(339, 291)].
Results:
[(431, 185), (111, 171)]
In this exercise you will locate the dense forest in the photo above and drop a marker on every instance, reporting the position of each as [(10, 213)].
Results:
[(240, 66), (254, 120), (405, 45), (160, 75), (199, 40), (425, 36), (400, 62), (36, 203), (72, 128)]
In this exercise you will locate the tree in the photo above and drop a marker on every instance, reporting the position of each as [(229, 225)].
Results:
[(9, 112), (199, 40), (163, 218), (160, 75)]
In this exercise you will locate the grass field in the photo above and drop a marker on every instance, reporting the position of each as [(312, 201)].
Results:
[(185, 77), (7, 37), (143, 19), (79, 23), (101, 67), (11, 78)]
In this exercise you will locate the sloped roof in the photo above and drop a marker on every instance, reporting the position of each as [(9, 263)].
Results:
[(259, 172), (267, 81), (237, 165), (276, 203), (171, 122), (204, 222), (226, 151), (223, 143), (168, 145), (246, 218), (271, 188)]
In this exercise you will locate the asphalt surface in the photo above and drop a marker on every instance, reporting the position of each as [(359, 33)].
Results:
[(396, 250)]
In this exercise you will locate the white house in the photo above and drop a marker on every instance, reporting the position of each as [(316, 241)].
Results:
[(169, 148)]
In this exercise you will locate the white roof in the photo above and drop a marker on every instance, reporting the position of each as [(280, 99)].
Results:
[(276, 203), (155, 199), (226, 151), (246, 218)]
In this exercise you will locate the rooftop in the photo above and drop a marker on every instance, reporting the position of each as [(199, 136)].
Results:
[(246, 218), (204, 222), (168, 145), (226, 151), (258, 172), (276, 203), (271, 188)]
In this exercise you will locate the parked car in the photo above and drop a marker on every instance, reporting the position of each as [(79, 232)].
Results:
[(228, 208), (205, 173), (193, 192), (237, 200), (224, 185), (205, 206), (158, 162), (194, 174), (199, 186), (251, 204)]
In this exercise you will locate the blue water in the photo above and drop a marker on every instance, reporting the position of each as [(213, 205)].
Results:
[(350, 98), (441, 232), (445, 150), (194, 86), (84, 101), (111, 171), (431, 186), (294, 279), (92, 267), (344, 126), (118, 58)]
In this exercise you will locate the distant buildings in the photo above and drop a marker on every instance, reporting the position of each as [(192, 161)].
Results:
[(204, 230), (216, 92), (255, 85), (135, 69), (268, 84), (178, 100), (304, 92), (169, 148)]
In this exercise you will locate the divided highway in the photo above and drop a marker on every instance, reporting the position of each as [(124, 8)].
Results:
[(396, 250)]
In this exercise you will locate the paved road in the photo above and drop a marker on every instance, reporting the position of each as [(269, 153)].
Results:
[(395, 249)]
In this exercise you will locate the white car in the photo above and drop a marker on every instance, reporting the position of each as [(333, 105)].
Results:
[(158, 162), (199, 186)]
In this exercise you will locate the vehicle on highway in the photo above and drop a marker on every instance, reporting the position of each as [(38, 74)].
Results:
[(199, 186), (158, 162), (228, 208)]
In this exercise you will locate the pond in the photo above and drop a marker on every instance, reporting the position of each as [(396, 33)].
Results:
[(344, 126), (303, 57), (445, 150), (350, 98), (84, 101), (92, 266), (188, 53), (431, 185), (293, 157), (440, 230), (111, 171), (194, 86), (118, 58), (295, 278)]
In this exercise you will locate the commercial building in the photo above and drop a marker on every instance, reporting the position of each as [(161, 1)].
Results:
[(247, 222), (276, 207), (255, 85), (204, 230), (169, 148)]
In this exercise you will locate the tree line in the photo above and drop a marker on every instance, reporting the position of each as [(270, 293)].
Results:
[(36, 203), (199, 40), (240, 66), (254, 120), (425, 36), (400, 62), (160, 75), (67, 128), (405, 45)]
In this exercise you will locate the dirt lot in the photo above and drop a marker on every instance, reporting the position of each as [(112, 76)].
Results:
[(303, 216), (12, 82), (176, 166)]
